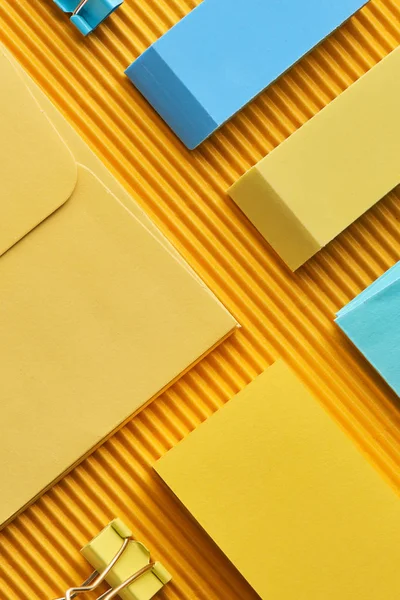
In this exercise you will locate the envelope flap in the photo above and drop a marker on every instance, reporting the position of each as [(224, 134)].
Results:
[(37, 171)]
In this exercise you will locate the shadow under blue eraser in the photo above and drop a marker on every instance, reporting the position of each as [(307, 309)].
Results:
[(224, 53)]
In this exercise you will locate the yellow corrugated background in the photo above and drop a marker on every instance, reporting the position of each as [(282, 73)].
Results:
[(282, 314)]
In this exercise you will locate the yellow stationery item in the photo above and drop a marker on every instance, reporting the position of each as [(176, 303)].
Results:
[(83, 155), (124, 563), (131, 563), (288, 498), (98, 312), (330, 171)]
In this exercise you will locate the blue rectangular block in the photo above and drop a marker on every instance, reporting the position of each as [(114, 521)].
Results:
[(224, 53), (372, 322)]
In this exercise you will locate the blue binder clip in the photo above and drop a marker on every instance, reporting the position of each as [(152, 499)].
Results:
[(86, 15)]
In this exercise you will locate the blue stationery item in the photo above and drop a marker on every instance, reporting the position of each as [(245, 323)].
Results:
[(86, 15), (224, 53), (372, 322)]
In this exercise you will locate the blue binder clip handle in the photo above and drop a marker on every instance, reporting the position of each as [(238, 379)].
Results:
[(86, 15)]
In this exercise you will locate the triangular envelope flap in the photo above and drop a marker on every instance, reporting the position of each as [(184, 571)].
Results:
[(37, 171)]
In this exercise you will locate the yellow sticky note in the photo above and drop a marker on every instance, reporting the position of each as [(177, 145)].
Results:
[(330, 171), (288, 497), (104, 547), (98, 312)]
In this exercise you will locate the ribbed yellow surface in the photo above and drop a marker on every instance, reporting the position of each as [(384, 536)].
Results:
[(282, 314)]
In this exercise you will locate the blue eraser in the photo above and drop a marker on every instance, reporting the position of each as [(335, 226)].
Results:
[(224, 53), (372, 322)]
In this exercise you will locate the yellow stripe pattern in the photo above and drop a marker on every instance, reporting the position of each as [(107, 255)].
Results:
[(283, 314)]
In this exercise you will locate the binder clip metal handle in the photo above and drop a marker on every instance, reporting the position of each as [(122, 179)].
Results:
[(86, 15), (104, 553), (110, 594), (95, 579)]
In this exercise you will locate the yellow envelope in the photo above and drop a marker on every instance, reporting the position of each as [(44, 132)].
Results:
[(98, 313), (288, 498), (84, 155)]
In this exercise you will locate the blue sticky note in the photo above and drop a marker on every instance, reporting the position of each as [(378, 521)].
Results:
[(224, 53), (388, 277), (372, 322)]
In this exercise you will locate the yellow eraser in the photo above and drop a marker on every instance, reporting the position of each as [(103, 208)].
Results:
[(330, 171), (102, 549)]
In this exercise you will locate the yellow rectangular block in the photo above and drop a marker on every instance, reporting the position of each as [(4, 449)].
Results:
[(287, 496), (98, 312), (330, 171)]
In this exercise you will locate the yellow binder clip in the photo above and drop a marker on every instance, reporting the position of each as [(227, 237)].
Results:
[(122, 562)]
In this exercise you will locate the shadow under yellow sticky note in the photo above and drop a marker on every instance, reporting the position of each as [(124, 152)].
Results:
[(288, 498), (98, 312), (330, 171)]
